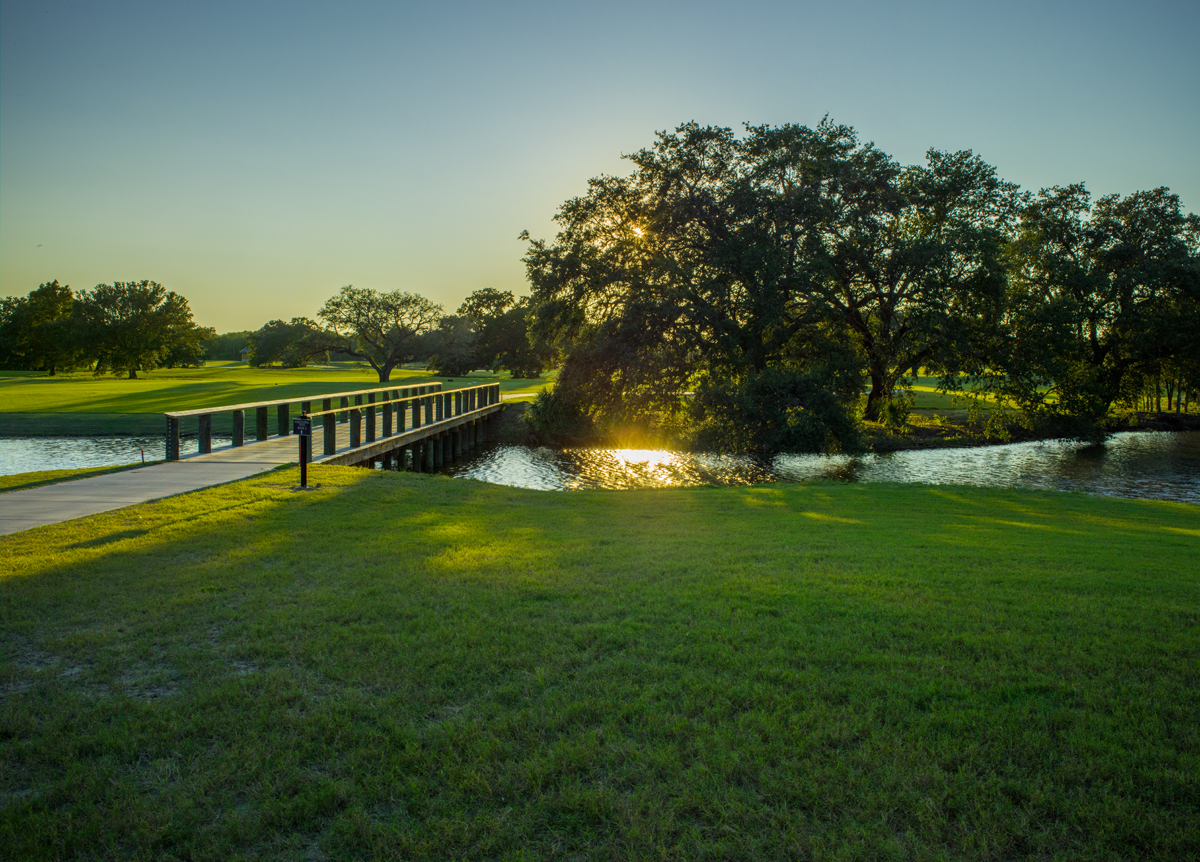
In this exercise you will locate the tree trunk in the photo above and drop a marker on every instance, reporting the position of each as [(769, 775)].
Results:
[(133, 374), (1157, 394)]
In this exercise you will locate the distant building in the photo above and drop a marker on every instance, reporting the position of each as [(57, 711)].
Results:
[(245, 354)]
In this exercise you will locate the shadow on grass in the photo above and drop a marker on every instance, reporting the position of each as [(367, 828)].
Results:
[(411, 666)]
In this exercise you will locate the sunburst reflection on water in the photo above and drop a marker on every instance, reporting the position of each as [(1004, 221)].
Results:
[(1136, 464)]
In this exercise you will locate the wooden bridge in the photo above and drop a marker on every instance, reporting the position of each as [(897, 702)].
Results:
[(417, 428)]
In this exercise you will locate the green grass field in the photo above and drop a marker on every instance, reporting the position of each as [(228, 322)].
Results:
[(412, 667), (82, 403)]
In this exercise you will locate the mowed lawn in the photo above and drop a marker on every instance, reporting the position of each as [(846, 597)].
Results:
[(82, 403), (405, 666)]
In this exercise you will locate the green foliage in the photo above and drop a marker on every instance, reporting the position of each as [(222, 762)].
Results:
[(227, 347), (451, 347), (381, 329), (553, 417), (399, 666), (285, 343), (500, 322), (137, 326), (1100, 296), (779, 409), (38, 332), (893, 413), (718, 251)]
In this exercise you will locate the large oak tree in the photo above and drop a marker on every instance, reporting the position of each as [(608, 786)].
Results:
[(381, 329), (129, 327), (718, 252)]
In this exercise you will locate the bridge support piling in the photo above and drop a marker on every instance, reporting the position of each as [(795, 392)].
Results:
[(427, 456), (283, 419), (204, 433), (172, 438), (260, 423), (239, 427)]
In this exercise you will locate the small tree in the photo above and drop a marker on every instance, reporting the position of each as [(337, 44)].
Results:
[(137, 326), (501, 323), (379, 328), (285, 343), (451, 347)]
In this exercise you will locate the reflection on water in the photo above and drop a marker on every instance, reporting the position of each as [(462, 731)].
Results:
[(29, 454), (1136, 464)]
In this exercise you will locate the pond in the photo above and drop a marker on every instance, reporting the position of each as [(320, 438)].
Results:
[(1160, 465), (1149, 464), (29, 454)]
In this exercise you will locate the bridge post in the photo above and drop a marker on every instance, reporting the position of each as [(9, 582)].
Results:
[(172, 438), (306, 408), (283, 418), (343, 402), (428, 409), (439, 402), (370, 417), (239, 427), (204, 433), (388, 405), (356, 424), (329, 420), (260, 423), (416, 412)]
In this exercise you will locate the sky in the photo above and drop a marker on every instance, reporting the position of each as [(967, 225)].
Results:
[(255, 157)]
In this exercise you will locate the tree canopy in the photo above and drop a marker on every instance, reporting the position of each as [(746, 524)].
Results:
[(38, 330), (129, 327), (722, 256)]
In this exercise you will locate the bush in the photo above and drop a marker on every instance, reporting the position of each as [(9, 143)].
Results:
[(779, 409), (554, 418)]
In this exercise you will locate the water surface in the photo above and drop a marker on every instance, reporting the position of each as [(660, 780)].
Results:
[(1159, 465)]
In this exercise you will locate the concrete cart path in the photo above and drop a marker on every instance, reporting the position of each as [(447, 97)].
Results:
[(50, 504)]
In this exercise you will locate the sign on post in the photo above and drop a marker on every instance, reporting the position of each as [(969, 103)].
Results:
[(302, 428)]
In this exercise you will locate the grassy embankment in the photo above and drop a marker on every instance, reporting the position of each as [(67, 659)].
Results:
[(406, 666), (84, 404)]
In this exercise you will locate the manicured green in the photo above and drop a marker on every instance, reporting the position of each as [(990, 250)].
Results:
[(20, 481), (84, 404), (398, 666)]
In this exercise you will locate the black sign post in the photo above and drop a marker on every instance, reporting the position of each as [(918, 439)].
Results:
[(302, 428)]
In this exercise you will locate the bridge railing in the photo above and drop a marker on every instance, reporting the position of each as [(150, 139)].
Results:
[(392, 402), (261, 411), (426, 409)]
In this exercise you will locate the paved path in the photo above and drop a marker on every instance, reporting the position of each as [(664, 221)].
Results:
[(50, 504)]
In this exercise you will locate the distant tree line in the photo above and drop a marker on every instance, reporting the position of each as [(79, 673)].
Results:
[(771, 277), (119, 328), (127, 327), (387, 330)]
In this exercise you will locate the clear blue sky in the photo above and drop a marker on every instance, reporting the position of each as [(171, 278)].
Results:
[(256, 157)]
